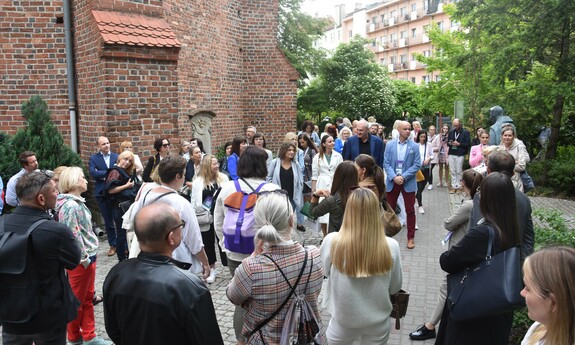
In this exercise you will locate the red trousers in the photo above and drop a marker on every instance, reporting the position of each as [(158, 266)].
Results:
[(409, 202), (82, 282)]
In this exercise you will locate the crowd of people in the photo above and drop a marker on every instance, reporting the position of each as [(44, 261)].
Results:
[(185, 207)]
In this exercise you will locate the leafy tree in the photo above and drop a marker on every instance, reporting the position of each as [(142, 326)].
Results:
[(313, 100), (409, 99), (296, 34), (519, 33), (41, 136), (355, 84)]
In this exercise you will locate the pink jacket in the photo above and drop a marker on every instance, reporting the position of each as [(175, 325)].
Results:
[(475, 156)]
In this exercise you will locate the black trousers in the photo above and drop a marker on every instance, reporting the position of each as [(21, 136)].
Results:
[(421, 186)]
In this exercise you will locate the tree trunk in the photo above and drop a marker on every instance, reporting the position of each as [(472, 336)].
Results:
[(555, 126)]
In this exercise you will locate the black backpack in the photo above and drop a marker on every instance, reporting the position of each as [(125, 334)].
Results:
[(19, 286)]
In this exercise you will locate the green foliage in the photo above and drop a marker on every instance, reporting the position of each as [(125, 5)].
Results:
[(41, 136), (313, 100), (355, 84), (296, 34), (410, 99), (557, 174)]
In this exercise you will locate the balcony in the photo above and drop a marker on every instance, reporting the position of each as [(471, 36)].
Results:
[(403, 42)]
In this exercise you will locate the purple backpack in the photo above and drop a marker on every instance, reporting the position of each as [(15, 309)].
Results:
[(239, 224)]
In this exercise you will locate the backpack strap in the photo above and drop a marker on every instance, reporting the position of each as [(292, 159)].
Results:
[(27, 234), (266, 321), (156, 199)]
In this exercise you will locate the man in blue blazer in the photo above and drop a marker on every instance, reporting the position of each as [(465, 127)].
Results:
[(98, 166), (365, 143), (401, 162)]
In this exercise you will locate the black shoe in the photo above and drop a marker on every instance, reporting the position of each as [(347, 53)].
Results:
[(422, 333), (301, 228)]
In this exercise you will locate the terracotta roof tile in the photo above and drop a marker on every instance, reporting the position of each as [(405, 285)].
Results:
[(134, 29)]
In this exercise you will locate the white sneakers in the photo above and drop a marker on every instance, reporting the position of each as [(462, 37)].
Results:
[(430, 187), (421, 210), (212, 277)]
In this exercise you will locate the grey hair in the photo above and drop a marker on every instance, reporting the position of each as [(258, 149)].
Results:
[(272, 213), (31, 184)]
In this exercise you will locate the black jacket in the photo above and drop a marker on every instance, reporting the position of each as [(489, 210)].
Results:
[(149, 300), (53, 249), (153, 162)]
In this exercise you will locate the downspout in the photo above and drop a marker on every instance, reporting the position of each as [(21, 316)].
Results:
[(71, 76)]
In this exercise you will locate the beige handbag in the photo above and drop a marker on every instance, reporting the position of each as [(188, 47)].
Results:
[(390, 221)]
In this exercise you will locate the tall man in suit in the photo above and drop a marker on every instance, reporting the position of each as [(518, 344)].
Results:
[(98, 166), (365, 143), (401, 161)]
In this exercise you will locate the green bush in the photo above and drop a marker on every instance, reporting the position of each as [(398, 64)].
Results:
[(41, 136), (556, 174)]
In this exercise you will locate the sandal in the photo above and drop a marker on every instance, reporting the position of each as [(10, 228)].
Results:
[(97, 299)]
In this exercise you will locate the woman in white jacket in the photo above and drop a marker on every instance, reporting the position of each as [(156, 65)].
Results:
[(206, 184), (323, 167), (517, 149)]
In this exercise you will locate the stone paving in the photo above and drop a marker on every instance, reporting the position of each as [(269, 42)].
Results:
[(421, 272)]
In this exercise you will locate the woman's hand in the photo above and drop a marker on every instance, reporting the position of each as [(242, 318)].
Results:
[(322, 193), (189, 184), (129, 184)]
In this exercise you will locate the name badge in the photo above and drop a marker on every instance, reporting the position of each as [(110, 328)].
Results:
[(399, 168), (207, 204)]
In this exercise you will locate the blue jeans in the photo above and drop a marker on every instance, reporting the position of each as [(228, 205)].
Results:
[(106, 210), (54, 337)]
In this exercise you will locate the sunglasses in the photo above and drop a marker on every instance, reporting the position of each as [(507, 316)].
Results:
[(276, 191), (48, 174), (165, 145)]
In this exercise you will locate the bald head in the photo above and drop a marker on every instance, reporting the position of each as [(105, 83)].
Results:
[(456, 124), (154, 225), (361, 129)]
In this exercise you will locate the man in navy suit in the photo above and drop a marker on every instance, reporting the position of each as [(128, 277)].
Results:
[(99, 164), (401, 162), (364, 143)]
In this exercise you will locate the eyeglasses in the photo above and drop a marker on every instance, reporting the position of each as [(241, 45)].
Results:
[(181, 225), (165, 145), (279, 192)]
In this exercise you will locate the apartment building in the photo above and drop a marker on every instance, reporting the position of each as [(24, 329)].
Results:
[(397, 30)]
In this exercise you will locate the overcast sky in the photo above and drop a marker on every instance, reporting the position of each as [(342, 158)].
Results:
[(325, 8)]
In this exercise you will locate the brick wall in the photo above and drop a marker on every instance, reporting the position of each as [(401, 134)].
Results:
[(32, 61), (228, 65)]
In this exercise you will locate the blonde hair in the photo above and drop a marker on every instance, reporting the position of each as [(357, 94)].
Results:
[(487, 150), (360, 249), (290, 136), (206, 172), (551, 271), (130, 155), (340, 135), (69, 178), (124, 144), (57, 171), (272, 214)]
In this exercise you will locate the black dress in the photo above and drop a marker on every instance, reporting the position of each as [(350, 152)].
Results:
[(493, 330)]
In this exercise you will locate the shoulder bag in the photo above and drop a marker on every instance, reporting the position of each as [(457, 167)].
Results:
[(490, 288), (390, 221)]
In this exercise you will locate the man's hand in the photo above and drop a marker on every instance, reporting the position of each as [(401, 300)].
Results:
[(398, 180)]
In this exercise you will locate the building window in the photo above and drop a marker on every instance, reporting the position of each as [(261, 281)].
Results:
[(403, 34), (382, 17), (425, 28), (392, 59), (374, 20), (440, 26), (350, 33), (402, 12), (393, 14), (413, 7), (393, 37), (382, 61), (403, 58), (437, 78), (413, 80), (425, 79), (413, 33), (413, 58), (427, 53)]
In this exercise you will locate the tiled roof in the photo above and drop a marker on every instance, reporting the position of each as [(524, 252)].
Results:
[(134, 29)]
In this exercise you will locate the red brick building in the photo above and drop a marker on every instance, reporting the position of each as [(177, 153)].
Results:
[(149, 68)]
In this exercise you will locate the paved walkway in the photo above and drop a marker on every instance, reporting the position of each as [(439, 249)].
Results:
[(421, 272)]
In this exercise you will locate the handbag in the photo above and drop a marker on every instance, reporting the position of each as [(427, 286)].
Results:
[(390, 221), (125, 205), (399, 302), (490, 288), (419, 176), (305, 210)]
